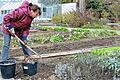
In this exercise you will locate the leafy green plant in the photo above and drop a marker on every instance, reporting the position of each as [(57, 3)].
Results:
[(89, 66), (112, 63), (35, 26), (105, 52), (79, 34), (109, 65), (110, 60), (89, 33), (83, 32), (95, 25), (75, 36), (102, 33), (46, 28), (40, 39), (79, 30), (56, 38), (61, 29), (14, 43), (106, 33)]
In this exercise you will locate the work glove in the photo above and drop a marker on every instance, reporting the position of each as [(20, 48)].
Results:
[(12, 32), (11, 29)]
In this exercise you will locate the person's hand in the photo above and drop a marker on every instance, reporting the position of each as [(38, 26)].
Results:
[(12, 32)]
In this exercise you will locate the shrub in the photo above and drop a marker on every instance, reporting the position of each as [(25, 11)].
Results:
[(68, 18), (57, 19), (75, 19)]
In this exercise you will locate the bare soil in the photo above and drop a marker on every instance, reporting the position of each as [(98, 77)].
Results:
[(46, 67), (71, 45)]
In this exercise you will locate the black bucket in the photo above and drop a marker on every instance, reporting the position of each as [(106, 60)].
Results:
[(8, 69), (29, 68)]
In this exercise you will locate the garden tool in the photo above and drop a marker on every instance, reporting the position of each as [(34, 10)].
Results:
[(51, 55), (28, 58), (25, 44), (36, 54)]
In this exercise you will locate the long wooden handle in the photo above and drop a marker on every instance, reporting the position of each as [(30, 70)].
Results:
[(25, 45), (51, 55)]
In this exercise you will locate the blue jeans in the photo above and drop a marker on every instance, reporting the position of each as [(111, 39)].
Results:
[(6, 46)]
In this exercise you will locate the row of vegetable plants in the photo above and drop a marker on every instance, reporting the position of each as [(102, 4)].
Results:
[(75, 34), (66, 29), (106, 61), (110, 59), (101, 63), (72, 35)]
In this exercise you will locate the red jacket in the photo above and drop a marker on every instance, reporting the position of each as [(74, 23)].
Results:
[(20, 19)]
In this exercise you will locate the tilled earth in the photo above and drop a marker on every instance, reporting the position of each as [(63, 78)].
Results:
[(71, 45), (46, 67), (49, 69)]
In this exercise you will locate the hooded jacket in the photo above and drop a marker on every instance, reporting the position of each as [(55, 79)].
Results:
[(20, 19)]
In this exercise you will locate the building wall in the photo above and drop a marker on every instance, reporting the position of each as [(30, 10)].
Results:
[(68, 7)]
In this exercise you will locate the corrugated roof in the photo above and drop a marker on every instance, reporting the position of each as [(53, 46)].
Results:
[(11, 5)]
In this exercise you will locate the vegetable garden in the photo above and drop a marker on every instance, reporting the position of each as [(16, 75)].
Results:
[(76, 31), (100, 62)]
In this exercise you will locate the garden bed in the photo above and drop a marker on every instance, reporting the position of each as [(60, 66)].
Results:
[(48, 68), (82, 67), (71, 45), (60, 35)]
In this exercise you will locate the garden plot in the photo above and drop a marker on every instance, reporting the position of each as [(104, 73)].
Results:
[(55, 68), (83, 67)]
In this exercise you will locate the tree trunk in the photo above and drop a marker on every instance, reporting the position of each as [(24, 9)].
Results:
[(77, 5), (82, 6)]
